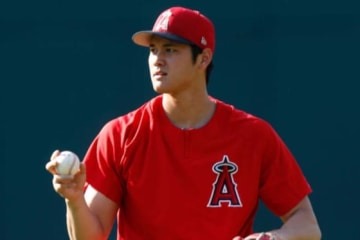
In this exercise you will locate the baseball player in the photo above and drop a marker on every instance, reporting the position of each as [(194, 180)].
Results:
[(185, 165)]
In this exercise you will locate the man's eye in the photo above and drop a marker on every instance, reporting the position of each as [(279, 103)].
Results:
[(152, 50), (170, 50)]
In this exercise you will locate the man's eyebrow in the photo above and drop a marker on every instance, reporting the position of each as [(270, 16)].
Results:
[(170, 44)]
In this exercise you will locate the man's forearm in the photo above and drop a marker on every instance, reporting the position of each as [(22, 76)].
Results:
[(81, 223), (302, 225)]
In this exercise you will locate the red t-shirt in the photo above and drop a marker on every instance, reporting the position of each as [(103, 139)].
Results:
[(198, 184)]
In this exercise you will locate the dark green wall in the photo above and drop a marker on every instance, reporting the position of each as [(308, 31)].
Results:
[(66, 68)]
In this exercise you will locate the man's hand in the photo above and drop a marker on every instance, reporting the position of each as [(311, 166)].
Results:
[(70, 188), (259, 236)]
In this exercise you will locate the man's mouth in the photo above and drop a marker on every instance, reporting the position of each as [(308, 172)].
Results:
[(160, 74)]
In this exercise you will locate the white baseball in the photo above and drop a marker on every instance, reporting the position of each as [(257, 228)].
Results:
[(68, 163)]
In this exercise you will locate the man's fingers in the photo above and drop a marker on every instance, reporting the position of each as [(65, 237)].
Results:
[(51, 165), (237, 238), (260, 236), (54, 154), (254, 236), (82, 168)]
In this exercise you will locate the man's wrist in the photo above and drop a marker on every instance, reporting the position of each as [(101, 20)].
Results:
[(276, 236), (269, 236)]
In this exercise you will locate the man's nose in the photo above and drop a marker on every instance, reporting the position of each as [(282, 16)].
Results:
[(159, 59)]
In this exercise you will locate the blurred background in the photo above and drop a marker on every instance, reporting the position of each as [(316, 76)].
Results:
[(67, 67)]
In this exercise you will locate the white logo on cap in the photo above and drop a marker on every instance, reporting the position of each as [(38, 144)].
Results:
[(162, 22), (203, 41)]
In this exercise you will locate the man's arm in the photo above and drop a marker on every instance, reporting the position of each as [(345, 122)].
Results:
[(91, 217), (299, 223)]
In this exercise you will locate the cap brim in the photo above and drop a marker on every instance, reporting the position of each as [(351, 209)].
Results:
[(143, 38)]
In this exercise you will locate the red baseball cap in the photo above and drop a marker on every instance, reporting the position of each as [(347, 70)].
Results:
[(181, 25)]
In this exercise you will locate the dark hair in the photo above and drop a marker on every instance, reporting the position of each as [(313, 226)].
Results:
[(195, 52)]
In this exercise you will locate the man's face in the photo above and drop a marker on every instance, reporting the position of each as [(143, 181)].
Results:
[(171, 67)]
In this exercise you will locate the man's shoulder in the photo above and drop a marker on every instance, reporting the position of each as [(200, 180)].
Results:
[(136, 116), (236, 112), (239, 117)]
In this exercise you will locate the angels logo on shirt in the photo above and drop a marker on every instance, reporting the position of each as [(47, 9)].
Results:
[(224, 188)]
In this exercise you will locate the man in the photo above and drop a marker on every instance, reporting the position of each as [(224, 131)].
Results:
[(185, 165)]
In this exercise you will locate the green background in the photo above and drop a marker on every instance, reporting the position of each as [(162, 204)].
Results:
[(67, 67)]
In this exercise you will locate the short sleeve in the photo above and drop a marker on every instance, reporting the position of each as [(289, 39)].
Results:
[(102, 161), (283, 184)]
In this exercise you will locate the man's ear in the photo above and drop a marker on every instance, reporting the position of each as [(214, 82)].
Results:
[(206, 57)]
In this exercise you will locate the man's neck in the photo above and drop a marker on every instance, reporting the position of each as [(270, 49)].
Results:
[(189, 111)]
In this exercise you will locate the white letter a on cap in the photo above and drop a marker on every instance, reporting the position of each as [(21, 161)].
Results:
[(162, 22)]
